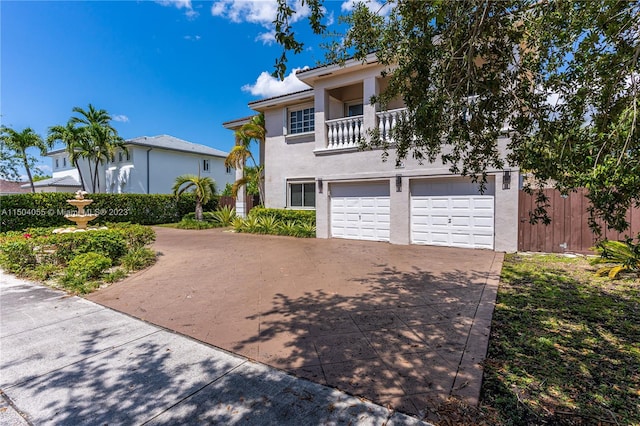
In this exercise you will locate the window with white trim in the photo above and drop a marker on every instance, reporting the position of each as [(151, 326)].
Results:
[(302, 194), (302, 120), (57, 163), (205, 165)]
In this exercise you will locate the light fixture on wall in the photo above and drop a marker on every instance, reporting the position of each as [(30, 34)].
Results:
[(398, 183), (506, 179), (319, 186)]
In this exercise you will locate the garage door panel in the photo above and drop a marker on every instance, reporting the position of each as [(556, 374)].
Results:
[(459, 221), (368, 211)]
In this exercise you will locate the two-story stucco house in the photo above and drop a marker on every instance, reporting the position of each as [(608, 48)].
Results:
[(312, 161), (149, 166)]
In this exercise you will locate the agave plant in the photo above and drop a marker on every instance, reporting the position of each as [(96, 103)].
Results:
[(618, 257), (238, 224), (268, 225), (224, 216), (305, 230), (288, 227)]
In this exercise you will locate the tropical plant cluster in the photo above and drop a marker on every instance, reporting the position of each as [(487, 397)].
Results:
[(20, 211), (294, 223), (220, 218), (79, 262), (618, 257)]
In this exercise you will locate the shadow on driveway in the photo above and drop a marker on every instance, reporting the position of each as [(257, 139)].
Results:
[(403, 326)]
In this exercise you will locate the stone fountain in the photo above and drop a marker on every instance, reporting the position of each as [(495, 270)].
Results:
[(80, 218)]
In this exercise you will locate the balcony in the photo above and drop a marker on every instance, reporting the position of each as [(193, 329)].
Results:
[(347, 132)]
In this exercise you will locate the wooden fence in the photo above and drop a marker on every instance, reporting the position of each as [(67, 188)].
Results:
[(569, 228), (250, 202)]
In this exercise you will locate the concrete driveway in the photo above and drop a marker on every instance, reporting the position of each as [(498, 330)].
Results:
[(403, 326)]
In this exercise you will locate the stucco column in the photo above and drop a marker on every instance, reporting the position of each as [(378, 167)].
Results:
[(369, 89), (322, 209), (506, 213), (321, 108), (400, 206)]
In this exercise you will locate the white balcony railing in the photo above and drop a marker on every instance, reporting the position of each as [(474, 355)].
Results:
[(344, 132), (387, 120)]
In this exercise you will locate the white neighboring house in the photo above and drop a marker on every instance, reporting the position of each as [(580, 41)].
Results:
[(312, 161), (150, 166)]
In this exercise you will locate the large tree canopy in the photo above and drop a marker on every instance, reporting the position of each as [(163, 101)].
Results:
[(559, 77)]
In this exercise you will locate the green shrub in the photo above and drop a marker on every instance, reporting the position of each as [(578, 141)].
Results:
[(47, 209), (283, 215), (135, 235), (44, 271), (195, 224), (110, 243), (206, 216), (114, 276), (17, 255), (82, 269), (138, 258)]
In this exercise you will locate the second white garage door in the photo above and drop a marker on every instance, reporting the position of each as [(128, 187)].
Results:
[(360, 211), (459, 218)]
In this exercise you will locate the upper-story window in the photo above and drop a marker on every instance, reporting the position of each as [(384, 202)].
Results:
[(120, 157), (128, 155), (205, 165), (57, 163), (302, 120), (64, 161), (228, 170), (353, 109)]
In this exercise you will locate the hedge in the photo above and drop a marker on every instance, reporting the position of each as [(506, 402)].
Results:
[(45, 209), (284, 215)]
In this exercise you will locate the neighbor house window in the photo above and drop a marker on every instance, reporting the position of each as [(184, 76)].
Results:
[(302, 120), (228, 170), (64, 161), (205, 165), (120, 156), (302, 194), (57, 163), (128, 154)]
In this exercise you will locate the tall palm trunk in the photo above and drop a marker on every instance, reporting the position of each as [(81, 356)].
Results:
[(82, 185), (199, 215), (26, 167)]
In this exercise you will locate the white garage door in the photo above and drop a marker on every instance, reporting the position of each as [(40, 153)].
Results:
[(461, 218), (360, 211)]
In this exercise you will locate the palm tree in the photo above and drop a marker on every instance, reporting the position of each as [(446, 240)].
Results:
[(76, 142), (203, 187), (254, 130), (104, 139), (19, 142)]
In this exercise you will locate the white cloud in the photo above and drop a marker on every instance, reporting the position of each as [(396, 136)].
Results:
[(268, 86), (262, 12), (180, 4), (192, 37), (267, 38), (121, 118), (373, 5)]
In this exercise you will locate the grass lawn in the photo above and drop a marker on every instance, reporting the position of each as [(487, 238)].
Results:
[(564, 346)]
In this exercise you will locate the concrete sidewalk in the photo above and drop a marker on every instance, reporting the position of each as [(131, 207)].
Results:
[(67, 361)]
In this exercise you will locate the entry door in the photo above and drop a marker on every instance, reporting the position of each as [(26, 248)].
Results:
[(360, 211)]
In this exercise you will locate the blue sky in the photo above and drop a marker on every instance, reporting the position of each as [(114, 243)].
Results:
[(158, 67)]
